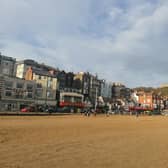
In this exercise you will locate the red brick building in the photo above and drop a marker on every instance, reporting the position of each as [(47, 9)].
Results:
[(145, 98)]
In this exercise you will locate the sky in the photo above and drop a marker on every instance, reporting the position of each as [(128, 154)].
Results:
[(120, 40)]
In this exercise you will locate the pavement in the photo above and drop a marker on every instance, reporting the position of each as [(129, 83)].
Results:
[(31, 113)]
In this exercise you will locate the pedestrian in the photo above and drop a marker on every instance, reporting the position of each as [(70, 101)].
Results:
[(88, 112), (108, 110)]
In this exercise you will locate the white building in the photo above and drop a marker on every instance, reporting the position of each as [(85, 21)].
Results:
[(23, 66)]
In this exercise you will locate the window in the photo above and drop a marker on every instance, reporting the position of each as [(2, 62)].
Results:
[(30, 95), (77, 99), (49, 94), (19, 93), (49, 84), (39, 93), (68, 99), (8, 85), (29, 87), (8, 93), (39, 85), (19, 85)]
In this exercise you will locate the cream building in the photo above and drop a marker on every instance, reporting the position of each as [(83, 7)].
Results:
[(46, 86)]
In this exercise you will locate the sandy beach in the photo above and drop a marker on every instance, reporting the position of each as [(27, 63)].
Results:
[(78, 141)]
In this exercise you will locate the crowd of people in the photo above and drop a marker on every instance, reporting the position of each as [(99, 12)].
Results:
[(107, 110)]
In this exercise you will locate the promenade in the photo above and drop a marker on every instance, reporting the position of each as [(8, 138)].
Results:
[(18, 113)]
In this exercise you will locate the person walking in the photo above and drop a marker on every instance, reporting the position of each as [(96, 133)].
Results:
[(137, 113), (108, 110), (88, 112)]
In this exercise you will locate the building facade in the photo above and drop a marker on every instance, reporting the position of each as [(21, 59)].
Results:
[(16, 93), (117, 90), (106, 89), (23, 66), (90, 86), (94, 88), (7, 65), (145, 99), (46, 86)]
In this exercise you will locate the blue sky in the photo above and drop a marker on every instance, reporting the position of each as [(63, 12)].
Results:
[(121, 40)]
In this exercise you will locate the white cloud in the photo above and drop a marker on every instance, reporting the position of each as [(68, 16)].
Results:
[(119, 41)]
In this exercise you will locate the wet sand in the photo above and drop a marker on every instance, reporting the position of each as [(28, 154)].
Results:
[(78, 141)]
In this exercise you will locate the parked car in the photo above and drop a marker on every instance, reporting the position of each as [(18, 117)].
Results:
[(27, 109), (154, 112), (50, 110), (63, 109)]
